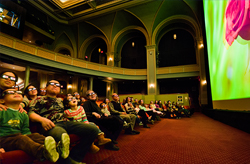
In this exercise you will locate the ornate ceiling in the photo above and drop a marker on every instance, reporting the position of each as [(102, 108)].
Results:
[(78, 10)]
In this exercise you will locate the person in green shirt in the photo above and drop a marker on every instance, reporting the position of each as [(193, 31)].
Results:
[(15, 133)]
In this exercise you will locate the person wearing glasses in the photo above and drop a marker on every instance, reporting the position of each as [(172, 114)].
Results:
[(110, 125), (75, 112), (42, 92), (116, 109), (48, 111), (15, 133), (8, 80), (30, 93)]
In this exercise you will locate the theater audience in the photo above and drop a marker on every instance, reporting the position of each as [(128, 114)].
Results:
[(116, 109), (141, 114), (48, 111), (148, 111), (76, 113), (110, 125), (15, 133)]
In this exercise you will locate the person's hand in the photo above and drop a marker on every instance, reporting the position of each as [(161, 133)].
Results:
[(96, 115), (47, 124), (124, 113), (2, 150), (106, 115), (3, 107), (21, 110)]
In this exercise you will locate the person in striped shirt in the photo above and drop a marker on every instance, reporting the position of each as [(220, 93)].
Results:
[(76, 113)]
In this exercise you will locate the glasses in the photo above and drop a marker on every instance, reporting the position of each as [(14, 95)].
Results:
[(90, 94), (76, 94), (54, 84), (31, 89), (42, 90), (15, 86), (115, 96), (9, 77), (11, 92), (71, 99)]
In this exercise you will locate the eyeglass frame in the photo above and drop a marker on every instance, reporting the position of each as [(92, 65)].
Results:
[(54, 84), (92, 93), (32, 89), (9, 77), (7, 92)]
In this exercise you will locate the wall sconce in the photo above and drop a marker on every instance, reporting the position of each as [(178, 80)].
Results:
[(201, 45), (174, 36), (110, 59), (204, 82), (133, 44), (151, 85), (108, 88), (99, 50), (69, 86)]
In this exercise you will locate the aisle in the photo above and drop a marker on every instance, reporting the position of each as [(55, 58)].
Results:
[(198, 139)]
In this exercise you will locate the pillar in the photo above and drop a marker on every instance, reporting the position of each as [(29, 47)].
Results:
[(91, 83), (27, 76), (110, 58), (151, 70)]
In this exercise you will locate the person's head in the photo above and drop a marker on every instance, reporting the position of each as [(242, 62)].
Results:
[(30, 91), (128, 99), (140, 102), (42, 91), (130, 104), (159, 102), (115, 97), (8, 80), (91, 95), (106, 101), (69, 102), (151, 102), (77, 95), (156, 102), (177, 104), (53, 88), (102, 105), (165, 102), (11, 96), (82, 99), (136, 100)]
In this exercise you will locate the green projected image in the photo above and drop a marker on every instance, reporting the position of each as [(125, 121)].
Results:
[(227, 26)]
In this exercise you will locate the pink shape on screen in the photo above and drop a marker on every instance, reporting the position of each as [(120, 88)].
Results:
[(237, 20)]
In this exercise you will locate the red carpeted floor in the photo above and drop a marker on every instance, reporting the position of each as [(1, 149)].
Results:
[(194, 140)]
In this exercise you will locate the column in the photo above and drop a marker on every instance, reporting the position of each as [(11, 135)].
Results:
[(151, 70), (203, 80), (91, 83), (27, 76), (110, 58), (108, 89)]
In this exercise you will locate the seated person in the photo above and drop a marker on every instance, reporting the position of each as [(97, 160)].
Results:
[(15, 133), (176, 111), (76, 113), (149, 111), (30, 93), (48, 111), (42, 92), (111, 125), (78, 97), (116, 109), (170, 110), (7, 81), (182, 109)]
